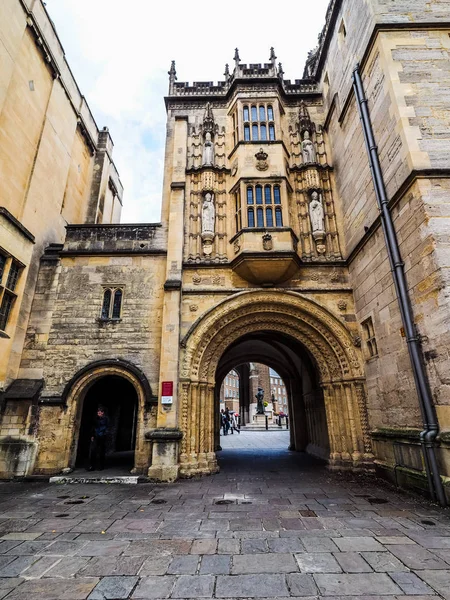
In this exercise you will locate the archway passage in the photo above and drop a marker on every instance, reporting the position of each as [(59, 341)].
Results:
[(305, 397), (314, 352), (119, 399)]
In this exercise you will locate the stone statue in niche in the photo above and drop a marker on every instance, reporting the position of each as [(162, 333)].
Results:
[(316, 214), (208, 214), (308, 150), (208, 151)]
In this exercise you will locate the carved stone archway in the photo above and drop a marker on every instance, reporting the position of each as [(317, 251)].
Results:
[(326, 339), (76, 390)]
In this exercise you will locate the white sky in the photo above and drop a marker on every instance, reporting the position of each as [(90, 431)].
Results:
[(120, 52)]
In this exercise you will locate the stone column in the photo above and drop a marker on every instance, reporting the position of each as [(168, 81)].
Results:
[(173, 209)]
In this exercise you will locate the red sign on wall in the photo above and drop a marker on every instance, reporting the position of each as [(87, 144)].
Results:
[(167, 388)]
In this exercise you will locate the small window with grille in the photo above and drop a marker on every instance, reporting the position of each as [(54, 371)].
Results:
[(369, 338), (112, 304)]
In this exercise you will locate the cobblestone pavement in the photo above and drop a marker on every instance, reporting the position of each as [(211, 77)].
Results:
[(271, 524)]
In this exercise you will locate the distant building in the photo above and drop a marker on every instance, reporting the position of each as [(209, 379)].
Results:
[(229, 392)]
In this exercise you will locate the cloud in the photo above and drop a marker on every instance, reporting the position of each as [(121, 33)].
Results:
[(120, 53)]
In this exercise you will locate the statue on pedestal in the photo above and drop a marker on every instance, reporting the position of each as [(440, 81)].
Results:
[(260, 399), (308, 150), (208, 214), (208, 151), (316, 213)]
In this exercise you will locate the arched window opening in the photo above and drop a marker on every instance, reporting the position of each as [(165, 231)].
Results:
[(278, 217), (268, 194), (249, 195), (112, 304), (260, 217), (269, 217), (276, 194), (246, 114), (251, 217), (117, 304), (247, 133), (254, 114), (259, 198)]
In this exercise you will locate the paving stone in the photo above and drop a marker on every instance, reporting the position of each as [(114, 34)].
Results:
[(411, 584), (7, 545), (113, 588), (352, 562), (283, 545), (40, 567), (416, 557), (301, 584), (228, 546), (251, 586), (62, 548), (154, 587), (215, 564), (313, 544), (28, 548), (255, 546), (54, 589), (16, 566), (204, 547), (22, 536), (112, 566), (134, 525), (394, 539), (263, 563), (344, 584), (193, 586), (103, 548), (438, 580), (6, 585), (67, 567), (358, 544), (318, 562), (155, 565), (432, 542), (444, 554), (383, 562), (184, 565)]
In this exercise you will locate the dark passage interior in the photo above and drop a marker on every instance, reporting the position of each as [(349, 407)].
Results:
[(119, 398), (294, 363)]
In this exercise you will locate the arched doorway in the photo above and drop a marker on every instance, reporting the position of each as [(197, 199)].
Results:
[(312, 350), (124, 390), (119, 399)]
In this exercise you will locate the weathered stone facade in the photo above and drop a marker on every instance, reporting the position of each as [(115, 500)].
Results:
[(270, 250)]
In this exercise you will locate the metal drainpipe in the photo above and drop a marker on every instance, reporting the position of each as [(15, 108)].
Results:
[(431, 426)]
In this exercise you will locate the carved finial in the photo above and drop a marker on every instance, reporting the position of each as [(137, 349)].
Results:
[(304, 120), (208, 120), (227, 72), (172, 76), (272, 57), (280, 71), (237, 60)]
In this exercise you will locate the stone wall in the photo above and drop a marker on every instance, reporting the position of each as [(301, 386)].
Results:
[(406, 77), (48, 143)]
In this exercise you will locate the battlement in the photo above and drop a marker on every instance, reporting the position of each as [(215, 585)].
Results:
[(240, 72)]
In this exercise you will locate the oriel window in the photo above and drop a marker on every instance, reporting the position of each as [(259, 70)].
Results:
[(259, 125), (268, 206)]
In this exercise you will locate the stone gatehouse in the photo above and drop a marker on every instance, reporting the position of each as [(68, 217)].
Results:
[(270, 249)]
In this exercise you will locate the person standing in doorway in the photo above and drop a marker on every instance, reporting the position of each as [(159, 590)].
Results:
[(228, 421), (98, 440)]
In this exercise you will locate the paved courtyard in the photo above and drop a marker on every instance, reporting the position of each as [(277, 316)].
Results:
[(271, 524)]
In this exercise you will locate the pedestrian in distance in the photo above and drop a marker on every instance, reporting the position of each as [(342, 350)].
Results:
[(227, 417), (223, 422), (97, 449), (233, 422)]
